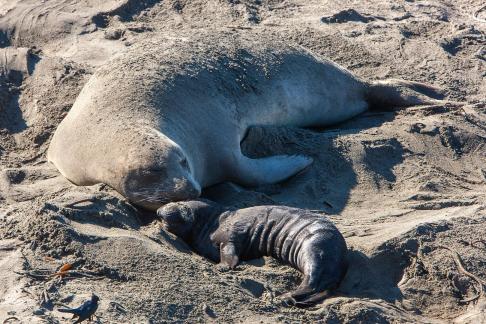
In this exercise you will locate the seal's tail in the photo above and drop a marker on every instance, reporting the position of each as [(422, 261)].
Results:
[(392, 94)]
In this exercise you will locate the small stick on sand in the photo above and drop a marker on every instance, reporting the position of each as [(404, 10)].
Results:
[(483, 242), (117, 306), (476, 14), (45, 298), (238, 27), (40, 274), (460, 266), (73, 204)]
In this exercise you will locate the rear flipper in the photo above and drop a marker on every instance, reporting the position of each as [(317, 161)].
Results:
[(268, 170), (323, 270), (392, 94), (305, 297)]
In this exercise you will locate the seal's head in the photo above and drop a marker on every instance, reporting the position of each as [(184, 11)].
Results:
[(157, 175), (187, 217)]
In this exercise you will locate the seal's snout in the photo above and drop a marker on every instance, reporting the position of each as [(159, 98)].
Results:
[(187, 189)]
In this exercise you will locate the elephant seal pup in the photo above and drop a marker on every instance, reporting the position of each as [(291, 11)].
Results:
[(307, 241), (166, 118)]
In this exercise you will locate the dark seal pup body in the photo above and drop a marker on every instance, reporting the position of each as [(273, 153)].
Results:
[(305, 240)]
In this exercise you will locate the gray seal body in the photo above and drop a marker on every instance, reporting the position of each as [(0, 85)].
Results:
[(305, 240), (166, 118)]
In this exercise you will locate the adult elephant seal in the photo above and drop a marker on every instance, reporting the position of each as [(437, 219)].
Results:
[(305, 240), (166, 118)]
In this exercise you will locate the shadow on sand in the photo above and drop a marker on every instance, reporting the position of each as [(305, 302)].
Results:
[(327, 183)]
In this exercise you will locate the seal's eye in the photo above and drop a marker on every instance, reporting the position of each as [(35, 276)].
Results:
[(184, 164)]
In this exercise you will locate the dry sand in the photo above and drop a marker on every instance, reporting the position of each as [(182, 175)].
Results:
[(400, 186)]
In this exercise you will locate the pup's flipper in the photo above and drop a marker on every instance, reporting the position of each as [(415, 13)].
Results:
[(229, 255)]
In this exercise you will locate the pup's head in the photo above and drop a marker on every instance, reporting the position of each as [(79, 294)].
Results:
[(186, 217)]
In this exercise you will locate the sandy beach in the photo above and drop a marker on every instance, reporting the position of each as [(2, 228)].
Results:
[(406, 188)]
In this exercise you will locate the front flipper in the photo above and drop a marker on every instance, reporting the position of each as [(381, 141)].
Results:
[(229, 255), (269, 170)]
